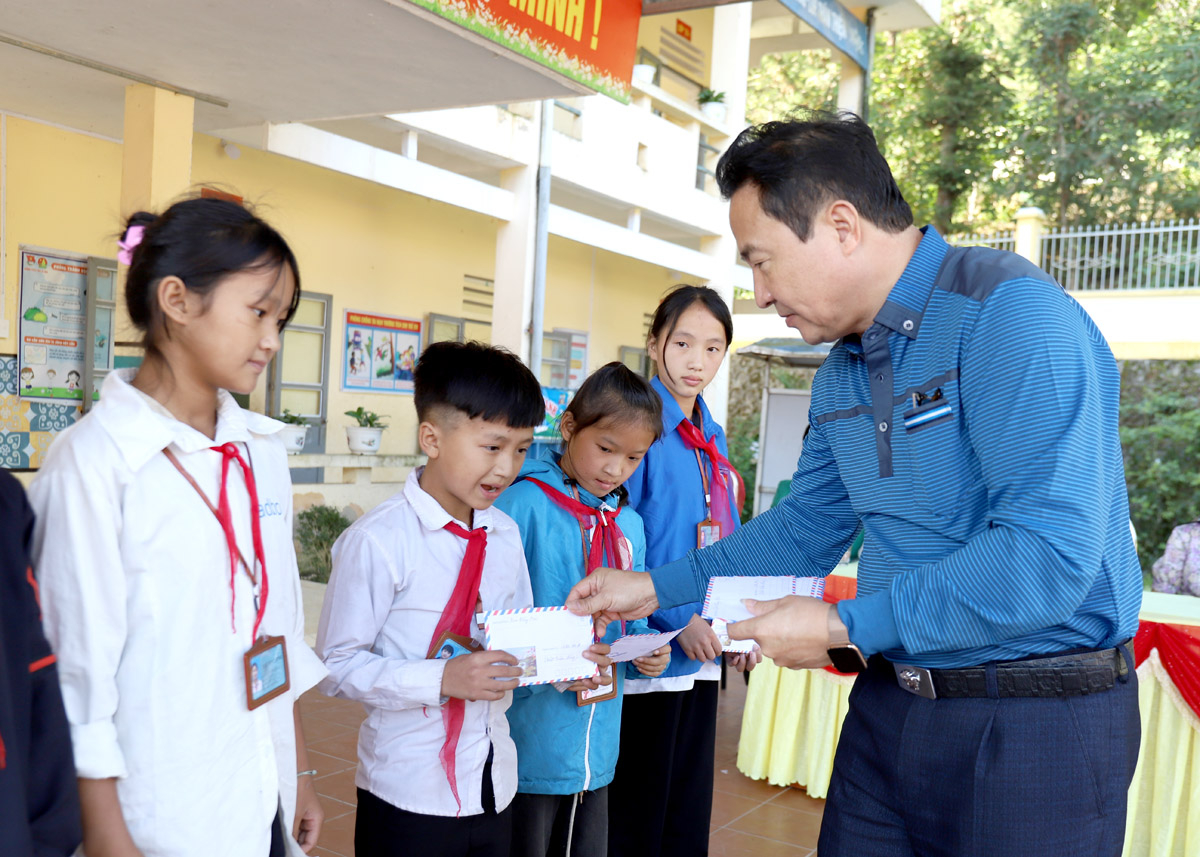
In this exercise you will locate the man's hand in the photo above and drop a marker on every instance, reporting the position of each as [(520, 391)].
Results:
[(611, 595), (792, 631), (698, 641), (480, 676), (654, 664)]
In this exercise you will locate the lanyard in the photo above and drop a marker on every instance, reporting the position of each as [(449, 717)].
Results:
[(704, 480), (221, 512)]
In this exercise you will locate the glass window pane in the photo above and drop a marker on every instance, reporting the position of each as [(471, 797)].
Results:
[(302, 355), (310, 312), (304, 402), (443, 331), (104, 284), (554, 348)]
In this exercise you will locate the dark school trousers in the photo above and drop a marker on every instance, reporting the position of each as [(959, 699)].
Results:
[(1012, 777), (543, 825), (660, 801), (383, 830)]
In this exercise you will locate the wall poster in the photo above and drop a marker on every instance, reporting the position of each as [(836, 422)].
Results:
[(53, 324), (381, 352)]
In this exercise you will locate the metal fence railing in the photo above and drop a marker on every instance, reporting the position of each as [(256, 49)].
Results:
[(999, 240), (1124, 256)]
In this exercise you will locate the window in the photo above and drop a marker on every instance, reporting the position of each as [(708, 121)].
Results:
[(445, 328), (299, 379), (636, 359), (564, 358)]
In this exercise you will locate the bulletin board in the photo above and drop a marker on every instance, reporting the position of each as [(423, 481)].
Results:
[(380, 352)]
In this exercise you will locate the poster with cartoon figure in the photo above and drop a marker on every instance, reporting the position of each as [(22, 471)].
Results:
[(555, 399), (381, 352), (53, 322)]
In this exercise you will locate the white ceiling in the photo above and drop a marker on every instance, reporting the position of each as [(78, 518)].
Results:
[(271, 60)]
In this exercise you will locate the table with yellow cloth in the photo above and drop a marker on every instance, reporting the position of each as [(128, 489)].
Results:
[(793, 718)]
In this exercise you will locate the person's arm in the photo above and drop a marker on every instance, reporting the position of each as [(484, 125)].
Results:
[(357, 603), (310, 815), (1040, 414), (803, 536), (81, 579)]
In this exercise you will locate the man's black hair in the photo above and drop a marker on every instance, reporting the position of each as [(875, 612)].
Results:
[(479, 381), (801, 164)]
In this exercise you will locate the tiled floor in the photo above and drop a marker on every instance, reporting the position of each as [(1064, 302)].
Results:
[(749, 817)]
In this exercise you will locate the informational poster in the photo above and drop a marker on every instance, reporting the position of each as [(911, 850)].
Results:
[(53, 325), (555, 400), (381, 352)]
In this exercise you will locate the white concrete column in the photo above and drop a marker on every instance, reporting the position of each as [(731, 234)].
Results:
[(851, 86), (1031, 222), (716, 395), (513, 302), (731, 59)]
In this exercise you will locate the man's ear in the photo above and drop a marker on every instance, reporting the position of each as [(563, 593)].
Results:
[(847, 223), (176, 302), (566, 426), (429, 439)]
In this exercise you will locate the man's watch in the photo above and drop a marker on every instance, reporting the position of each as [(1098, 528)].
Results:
[(845, 655)]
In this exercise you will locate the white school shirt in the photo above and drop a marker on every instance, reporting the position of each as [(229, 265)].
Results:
[(393, 572), (134, 576)]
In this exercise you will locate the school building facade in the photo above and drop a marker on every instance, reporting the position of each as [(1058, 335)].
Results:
[(409, 194)]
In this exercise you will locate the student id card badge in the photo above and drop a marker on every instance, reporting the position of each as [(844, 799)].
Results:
[(708, 532), (600, 694), (266, 671), (450, 645)]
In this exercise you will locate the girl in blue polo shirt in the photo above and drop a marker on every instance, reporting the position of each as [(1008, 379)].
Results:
[(685, 492)]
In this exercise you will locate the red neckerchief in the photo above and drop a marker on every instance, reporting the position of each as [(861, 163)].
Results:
[(608, 538), (456, 618), (718, 504), (229, 452)]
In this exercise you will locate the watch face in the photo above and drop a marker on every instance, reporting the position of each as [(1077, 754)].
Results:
[(848, 659)]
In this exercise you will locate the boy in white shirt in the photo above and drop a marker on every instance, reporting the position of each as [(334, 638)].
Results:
[(437, 768)]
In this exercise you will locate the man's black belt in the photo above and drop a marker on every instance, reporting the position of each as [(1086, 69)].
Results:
[(1059, 675)]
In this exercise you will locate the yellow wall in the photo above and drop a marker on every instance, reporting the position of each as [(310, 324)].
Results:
[(373, 248), (62, 192), (606, 294), (701, 22)]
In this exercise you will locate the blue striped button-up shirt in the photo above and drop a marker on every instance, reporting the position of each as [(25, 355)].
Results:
[(972, 433)]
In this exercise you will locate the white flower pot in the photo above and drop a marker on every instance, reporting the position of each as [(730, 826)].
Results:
[(714, 111), (363, 440), (644, 72), (293, 438)]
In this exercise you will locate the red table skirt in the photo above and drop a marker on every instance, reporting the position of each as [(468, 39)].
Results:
[(1178, 645)]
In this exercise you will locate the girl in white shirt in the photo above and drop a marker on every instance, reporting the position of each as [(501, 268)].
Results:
[(163, 548)]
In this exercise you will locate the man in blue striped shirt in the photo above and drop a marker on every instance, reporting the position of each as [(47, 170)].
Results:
[(966, 419)]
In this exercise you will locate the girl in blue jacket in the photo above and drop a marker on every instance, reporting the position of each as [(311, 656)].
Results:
[(573, 516), (685, 492)]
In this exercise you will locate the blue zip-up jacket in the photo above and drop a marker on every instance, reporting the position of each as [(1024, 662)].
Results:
[(562, 747), (668, 493), (39, 800)]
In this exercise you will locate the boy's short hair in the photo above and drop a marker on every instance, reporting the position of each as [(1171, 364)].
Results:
[(479, 381)]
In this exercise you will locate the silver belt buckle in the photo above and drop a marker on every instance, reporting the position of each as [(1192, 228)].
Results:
[(916, 680)]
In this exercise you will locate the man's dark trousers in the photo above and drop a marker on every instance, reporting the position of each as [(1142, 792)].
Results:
[(984, 777)]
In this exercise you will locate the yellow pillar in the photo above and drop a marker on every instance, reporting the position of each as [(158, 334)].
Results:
[(1031, 222), (156, 165)]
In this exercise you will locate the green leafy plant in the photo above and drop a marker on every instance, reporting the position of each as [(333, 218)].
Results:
[(367, 419), (710, 96), (288, 418), (317, 528)]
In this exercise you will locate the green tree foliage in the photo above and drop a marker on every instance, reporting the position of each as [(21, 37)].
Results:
[(317, 528), (1160, 433), (1087, 108)]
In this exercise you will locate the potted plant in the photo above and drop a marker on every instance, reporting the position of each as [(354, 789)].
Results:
[(294, 433), (644, 72), (364, 438), (712, 105)]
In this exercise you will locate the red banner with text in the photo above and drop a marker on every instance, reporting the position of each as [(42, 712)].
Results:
[(590, 41)]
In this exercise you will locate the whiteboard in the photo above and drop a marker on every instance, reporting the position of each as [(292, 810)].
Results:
[(780, 439)]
